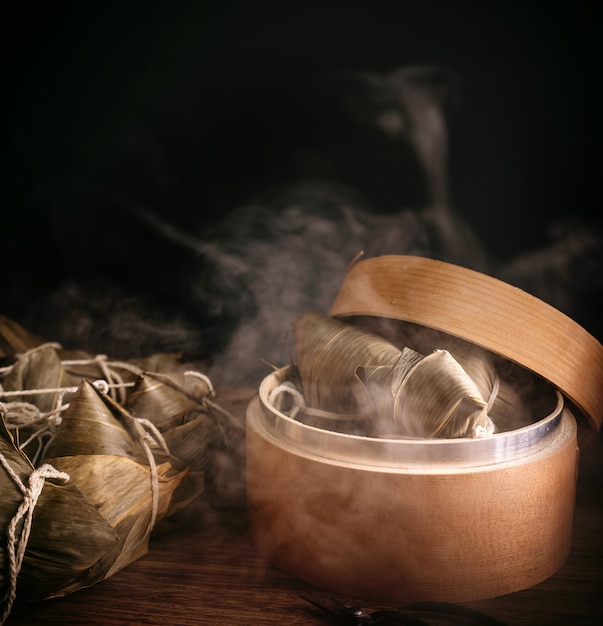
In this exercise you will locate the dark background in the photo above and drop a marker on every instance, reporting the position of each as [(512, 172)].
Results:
[(191, 107)]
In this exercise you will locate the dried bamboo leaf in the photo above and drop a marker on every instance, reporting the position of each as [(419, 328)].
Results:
[(100, 445), (183, 423), (94, 424), (401, 392), (68, 536), (121, 490), (14, 339), (179, 406), (165, 401), (39, 368), (79, 364), (42, 378), (174, 405), (449, 402), (505, 386), (124, 479), (178, 413), (329, 353), (196, 429)]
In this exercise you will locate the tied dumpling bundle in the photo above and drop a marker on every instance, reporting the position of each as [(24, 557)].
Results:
[(344, 369), (208, 439), (94, 454), (102, 486), (123, 472), (68, 538)]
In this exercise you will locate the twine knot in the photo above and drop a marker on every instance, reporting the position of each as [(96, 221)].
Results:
[(17, 539), (278, 394)]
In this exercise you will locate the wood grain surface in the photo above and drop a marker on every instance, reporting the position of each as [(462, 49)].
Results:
[(203, 569)]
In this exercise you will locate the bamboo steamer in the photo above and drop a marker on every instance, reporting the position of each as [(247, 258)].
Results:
[(400, 520), (327, 510)]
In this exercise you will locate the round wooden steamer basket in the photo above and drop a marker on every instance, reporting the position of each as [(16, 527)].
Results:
[(402, 521), (445, 524)]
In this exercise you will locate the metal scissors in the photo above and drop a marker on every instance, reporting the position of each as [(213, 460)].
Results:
[(342, 614)]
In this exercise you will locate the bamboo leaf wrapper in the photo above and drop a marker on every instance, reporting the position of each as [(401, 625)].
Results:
[(345, 369)]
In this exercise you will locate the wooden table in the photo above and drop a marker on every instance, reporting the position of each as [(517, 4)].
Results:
[(202, 569)]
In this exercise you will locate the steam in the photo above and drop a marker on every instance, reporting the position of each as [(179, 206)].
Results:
[(245, 280), (291, 254)]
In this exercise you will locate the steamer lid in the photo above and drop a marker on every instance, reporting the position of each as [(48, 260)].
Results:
[(485, 311)]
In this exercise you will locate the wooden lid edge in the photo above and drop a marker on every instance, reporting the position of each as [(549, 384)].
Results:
[(485, 311)]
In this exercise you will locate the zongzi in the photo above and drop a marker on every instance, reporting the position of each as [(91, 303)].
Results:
[(400, 392)]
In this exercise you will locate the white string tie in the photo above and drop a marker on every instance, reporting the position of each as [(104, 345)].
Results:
[(277, 398), (193, 374), (150, 434), (17, 540), (23, 355)]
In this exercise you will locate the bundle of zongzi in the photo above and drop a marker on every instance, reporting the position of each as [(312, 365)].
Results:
[(198, 430), (120, 469), (51, 540), (400, 392), (93, 454)]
